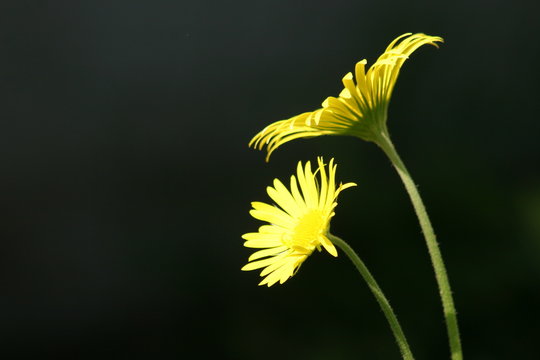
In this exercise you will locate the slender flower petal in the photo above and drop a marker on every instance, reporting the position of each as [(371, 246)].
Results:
[(360, 109), (299, 222)]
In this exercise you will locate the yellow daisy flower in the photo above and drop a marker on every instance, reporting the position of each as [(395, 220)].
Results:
[(359, 110), (298, 226)]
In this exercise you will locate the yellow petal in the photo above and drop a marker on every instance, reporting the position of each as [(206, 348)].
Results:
[(262, 263), (329, 246), (276, 275), (271, 214), (267, 252), (283, 198)]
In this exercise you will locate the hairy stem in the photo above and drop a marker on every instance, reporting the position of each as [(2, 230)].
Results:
[(377, 292), (433, 248)]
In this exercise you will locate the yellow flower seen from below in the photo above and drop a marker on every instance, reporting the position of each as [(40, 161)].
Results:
[(359, 110), (298, 224)]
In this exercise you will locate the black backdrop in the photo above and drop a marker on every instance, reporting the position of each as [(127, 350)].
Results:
[(126, 178)]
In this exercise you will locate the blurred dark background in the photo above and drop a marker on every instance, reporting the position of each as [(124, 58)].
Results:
[(126, 178)]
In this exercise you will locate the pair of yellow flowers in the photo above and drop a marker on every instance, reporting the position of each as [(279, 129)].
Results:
[(300, 221)]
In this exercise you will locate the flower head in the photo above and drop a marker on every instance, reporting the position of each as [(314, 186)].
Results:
[(360, 109), (298, 225)]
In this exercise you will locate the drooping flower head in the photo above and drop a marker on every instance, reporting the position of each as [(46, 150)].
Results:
[(360, 109), (298, 224)]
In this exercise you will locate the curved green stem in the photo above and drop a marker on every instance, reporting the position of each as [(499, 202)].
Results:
[(377, 292), (433, 248)]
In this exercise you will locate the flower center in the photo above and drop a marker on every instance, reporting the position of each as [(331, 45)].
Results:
[(307, 231)]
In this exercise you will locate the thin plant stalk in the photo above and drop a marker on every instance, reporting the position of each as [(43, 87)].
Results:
[(379, 296), (433, 248)]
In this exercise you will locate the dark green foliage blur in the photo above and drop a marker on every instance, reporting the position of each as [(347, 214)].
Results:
[(126, 179)]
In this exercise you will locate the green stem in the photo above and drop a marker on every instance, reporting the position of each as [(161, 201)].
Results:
[(434, 252), (377, 292)]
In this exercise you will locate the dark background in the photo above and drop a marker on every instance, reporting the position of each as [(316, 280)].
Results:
[(126, 179)]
